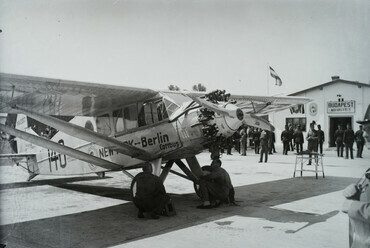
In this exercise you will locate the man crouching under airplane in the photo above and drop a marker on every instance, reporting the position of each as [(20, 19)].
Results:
[(215, 185), (149, 194)]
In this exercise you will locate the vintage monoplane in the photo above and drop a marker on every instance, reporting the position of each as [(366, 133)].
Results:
[(68, 128)]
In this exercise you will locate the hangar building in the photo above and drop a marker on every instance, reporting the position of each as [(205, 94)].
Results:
[(335, 102)]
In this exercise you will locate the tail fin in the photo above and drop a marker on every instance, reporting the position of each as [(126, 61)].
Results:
[(22, 146)]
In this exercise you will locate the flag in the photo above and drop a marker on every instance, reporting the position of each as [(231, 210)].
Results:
[(275, 75)]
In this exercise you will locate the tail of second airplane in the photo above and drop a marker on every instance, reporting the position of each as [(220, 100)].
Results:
[(42, 150), (24, 123), (18, 151)]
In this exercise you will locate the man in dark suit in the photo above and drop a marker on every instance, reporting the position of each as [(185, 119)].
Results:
[(360, 141), (321, 137), (285, 137), (338, 136), (298, 139), (348, 139)]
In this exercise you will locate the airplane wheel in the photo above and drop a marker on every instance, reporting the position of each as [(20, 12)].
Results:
[(196, 186), (101, 174)]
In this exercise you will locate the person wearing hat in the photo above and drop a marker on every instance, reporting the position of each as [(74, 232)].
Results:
[(360, 141), (312, 140), (366, 127), (321, 137), (357, 206)]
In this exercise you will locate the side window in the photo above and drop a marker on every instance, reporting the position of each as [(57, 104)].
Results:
[(118, 120), (130, 116), (103, 124), (154, 112), (148, 113)]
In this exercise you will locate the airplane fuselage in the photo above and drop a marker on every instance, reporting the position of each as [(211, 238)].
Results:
[(165, 139)]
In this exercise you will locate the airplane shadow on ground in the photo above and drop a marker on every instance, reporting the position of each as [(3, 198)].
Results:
[(111, 192), (52, 182), (118, 224)]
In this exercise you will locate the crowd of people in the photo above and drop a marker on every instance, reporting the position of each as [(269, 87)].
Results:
[(346, 138), (262, 142)]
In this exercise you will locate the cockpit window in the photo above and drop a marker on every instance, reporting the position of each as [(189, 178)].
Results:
[(148, 113), (161, 110), (173, 101), (153, 111), (170, 106)]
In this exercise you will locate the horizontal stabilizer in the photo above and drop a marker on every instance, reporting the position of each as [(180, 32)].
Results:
[(11, 159)]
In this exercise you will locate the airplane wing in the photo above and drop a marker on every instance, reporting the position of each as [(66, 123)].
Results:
[(263, 105), (43, 97), (260, 105), (65, 98)]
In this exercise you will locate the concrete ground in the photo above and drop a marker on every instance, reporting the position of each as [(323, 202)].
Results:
[(276, 210)]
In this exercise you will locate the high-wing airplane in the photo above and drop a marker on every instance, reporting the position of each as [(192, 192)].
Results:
[(69, 128)]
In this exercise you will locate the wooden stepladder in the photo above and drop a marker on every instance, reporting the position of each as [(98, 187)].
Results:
[(317, 162)]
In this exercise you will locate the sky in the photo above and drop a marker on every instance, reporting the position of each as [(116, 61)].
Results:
[(223, 44)]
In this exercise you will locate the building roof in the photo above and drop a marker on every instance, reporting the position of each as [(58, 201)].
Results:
[(336, 80)]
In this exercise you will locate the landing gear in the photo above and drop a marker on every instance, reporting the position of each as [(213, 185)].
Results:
[(31, 176)]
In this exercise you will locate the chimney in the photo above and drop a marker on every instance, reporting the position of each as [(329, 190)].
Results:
[(335, 78)]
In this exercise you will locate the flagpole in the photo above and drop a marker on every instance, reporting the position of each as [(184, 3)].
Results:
[(268, 79)]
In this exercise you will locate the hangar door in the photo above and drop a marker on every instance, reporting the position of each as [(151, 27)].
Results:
[(333, 125)]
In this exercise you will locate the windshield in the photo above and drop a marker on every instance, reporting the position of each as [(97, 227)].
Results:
[(173, 101)]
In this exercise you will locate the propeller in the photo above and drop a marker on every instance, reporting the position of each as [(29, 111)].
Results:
[(234, 116)]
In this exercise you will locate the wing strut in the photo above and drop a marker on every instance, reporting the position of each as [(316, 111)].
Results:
[(43, 142)]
